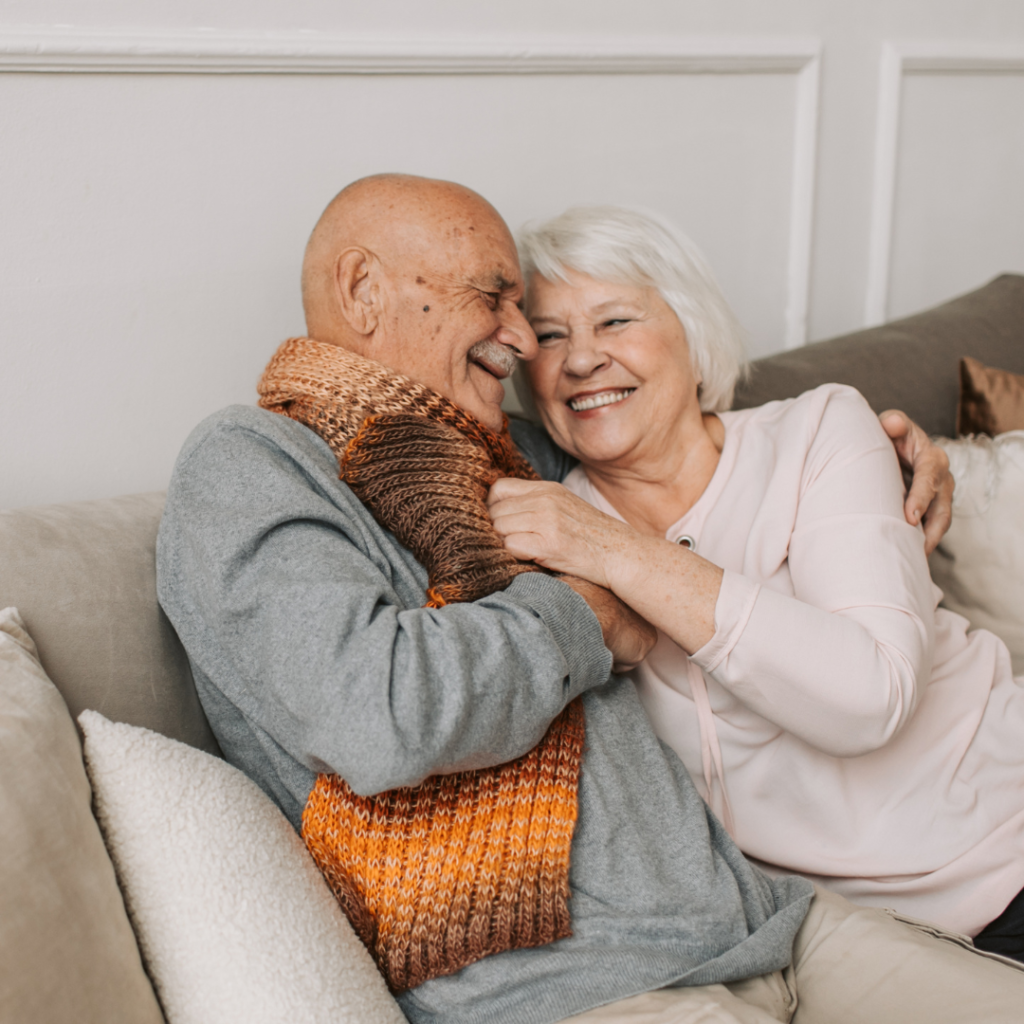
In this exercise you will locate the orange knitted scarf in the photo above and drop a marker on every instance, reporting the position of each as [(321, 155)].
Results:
[(437, 876)]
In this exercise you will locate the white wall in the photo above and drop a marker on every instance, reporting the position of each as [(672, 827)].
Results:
[(161, 166)]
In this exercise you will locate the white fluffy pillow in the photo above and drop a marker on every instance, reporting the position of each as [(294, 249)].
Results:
[(980, 563), (233, 918)]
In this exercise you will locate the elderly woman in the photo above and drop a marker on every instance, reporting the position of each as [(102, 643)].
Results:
[(839, 723)]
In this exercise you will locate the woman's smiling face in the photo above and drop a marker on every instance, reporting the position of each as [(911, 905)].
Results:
[(612, 380)]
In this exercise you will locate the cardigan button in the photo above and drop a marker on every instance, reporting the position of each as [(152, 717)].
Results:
[(687, 541)]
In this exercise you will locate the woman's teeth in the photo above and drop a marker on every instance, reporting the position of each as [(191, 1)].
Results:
[(596, 401)]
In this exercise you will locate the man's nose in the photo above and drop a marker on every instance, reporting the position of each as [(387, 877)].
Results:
[(516, 332)]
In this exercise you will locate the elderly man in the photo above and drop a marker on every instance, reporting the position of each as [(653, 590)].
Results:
[(488, 802)]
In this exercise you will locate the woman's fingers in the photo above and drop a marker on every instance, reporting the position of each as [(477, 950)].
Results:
[(530, 521), (548, 505), (510, 487), (547, 524), (525, 539)]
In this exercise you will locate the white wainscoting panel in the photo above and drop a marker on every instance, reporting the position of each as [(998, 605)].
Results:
[(948, 206), (157, 193)]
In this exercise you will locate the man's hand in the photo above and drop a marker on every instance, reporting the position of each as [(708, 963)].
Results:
[(628, 636), (930, 498)]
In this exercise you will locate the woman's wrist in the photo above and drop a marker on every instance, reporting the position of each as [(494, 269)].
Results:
[(673, 588), (628, 566)]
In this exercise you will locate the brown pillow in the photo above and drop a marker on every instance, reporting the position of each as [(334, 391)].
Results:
[(991, 401)]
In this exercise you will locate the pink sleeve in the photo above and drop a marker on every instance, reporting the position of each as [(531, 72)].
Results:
[(843, 662)]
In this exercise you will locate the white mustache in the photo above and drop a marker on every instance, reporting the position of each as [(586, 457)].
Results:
[(494, 354)]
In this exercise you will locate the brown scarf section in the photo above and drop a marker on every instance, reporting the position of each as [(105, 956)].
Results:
[(435, 877)]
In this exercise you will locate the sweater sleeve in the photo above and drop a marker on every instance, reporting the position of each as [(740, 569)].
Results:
[(308, 619), (841, 662), (550, 462)]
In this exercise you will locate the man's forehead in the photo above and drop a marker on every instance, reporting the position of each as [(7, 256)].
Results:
[(489, 261)]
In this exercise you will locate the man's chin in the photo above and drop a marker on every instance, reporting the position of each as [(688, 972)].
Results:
[(491, 416), (484, 399)]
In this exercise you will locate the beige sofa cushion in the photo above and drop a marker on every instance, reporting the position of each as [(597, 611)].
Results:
[(911, 364), (83, 577), (235, 922), (979, 564), (67, 949)]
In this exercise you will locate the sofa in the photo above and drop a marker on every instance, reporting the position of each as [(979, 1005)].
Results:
[(82, 577)]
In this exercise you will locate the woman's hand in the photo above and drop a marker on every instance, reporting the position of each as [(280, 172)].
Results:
[(930, 497), (670, 587), (547, 524)]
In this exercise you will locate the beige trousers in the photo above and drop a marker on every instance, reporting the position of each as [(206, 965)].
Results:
[(851, 965)]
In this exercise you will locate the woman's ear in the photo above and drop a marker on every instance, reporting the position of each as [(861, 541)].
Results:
[(357, 289)]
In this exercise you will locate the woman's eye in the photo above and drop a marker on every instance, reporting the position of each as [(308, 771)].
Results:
[(615, 323), (548, 336)]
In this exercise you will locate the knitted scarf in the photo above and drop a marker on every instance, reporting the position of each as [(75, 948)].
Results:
[(437, 876)]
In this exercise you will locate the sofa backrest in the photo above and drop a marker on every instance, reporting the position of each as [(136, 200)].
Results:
[(910, 364), (83, 576)]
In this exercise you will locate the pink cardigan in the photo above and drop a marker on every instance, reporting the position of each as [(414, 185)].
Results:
[(840, 724)]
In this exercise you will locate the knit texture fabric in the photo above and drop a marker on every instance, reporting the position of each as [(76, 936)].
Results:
[(434, 877)]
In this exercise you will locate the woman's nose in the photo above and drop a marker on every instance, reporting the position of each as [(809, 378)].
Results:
[(585, 353)]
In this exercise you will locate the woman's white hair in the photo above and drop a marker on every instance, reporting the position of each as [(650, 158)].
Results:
[(613, 243)]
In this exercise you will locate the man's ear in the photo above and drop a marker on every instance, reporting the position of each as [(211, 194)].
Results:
[(357, 289)]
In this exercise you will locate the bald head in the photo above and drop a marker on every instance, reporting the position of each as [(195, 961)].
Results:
[(421, 275), (400, 220)]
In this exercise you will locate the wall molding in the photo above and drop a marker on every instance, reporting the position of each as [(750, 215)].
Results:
[(801, 204), (899, 60), (202, 51), (214, 51)]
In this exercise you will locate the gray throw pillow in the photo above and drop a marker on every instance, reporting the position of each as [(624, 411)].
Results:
[(67, 948)]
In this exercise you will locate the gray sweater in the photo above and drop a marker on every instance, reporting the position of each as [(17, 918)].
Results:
[(304, 623)]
